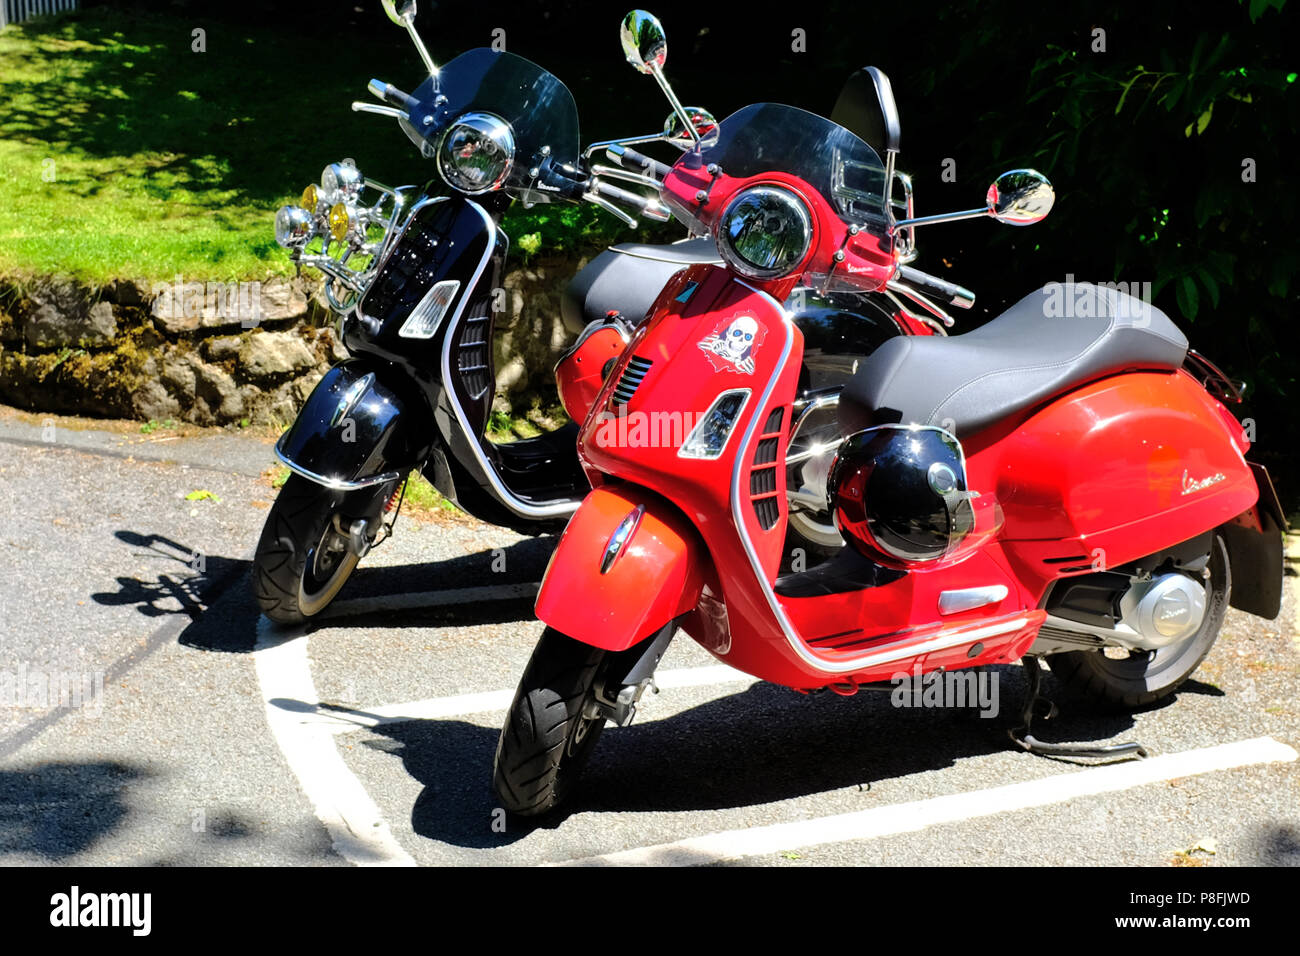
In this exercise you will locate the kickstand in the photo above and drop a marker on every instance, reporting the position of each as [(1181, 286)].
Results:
[(1026, 742)]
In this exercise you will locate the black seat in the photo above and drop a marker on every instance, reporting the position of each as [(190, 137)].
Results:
[(628, 277), (1052, 340)]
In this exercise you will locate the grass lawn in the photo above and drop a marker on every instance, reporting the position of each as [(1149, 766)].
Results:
[(125, 154)]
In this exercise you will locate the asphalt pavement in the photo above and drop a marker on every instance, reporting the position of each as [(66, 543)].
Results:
[(205, 735)]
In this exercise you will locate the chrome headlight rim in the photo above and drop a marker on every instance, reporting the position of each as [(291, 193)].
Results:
[(799, 218), (489, 126), (294, 227), (341, 183)]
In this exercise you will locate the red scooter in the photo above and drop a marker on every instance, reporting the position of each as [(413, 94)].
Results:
[(1064, 481)]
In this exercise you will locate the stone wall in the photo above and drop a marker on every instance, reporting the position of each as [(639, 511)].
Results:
[(218, 354)]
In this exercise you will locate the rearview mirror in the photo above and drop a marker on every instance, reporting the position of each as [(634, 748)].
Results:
[(644, 42), (400, 17), (1020, 197), (705, 126)]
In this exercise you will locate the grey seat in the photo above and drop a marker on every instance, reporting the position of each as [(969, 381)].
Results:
[(628, 277), (1024, 357)]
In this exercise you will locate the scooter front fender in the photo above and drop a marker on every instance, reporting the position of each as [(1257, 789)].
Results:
[(357, 429), (627, 564)]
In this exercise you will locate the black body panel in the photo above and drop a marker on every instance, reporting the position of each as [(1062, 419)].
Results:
[(363, 420)]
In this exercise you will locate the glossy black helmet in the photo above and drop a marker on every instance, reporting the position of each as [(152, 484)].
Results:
[(898, 494)]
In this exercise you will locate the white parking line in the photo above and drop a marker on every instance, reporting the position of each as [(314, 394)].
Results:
[(352, 819), (342, 720), (917, 815)]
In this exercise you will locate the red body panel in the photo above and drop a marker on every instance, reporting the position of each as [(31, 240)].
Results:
[(580, 374), (661, 564), (1100, 467), (1113, 471)]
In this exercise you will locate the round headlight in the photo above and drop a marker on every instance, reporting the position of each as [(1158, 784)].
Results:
[(765, 232), (341, 182), (310, 198), (293, 227), (341, 220), (476, 153)]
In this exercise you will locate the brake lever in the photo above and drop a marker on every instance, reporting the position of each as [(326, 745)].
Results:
[(610, 207), (896, 286), (359, 107), (613, 172)]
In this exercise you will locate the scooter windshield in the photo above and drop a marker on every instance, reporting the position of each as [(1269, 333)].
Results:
[(539, 108), (769, 137)]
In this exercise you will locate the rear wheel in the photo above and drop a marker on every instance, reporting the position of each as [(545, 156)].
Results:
[(1122, 680), (548, 737)]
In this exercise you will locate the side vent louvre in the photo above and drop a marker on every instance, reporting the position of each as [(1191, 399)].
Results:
[(631, 379), (472, 360), (762, 474)]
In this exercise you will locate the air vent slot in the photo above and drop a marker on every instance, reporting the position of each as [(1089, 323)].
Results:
[(762, 475), (633, 375), (472, 359), (762, 481)]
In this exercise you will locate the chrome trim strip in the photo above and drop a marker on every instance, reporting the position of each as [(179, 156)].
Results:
[(967, 599), (621, 536), (334, 483), (504, 494), (942, 641)]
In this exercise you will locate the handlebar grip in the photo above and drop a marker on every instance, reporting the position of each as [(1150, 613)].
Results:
[(947, 291), (392, 96), (636, 162)]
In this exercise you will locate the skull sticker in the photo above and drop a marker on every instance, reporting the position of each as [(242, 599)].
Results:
[(732, 346)]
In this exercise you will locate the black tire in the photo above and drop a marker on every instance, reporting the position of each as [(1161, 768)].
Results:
[(546, 740), (1140, 679), (289, 582)]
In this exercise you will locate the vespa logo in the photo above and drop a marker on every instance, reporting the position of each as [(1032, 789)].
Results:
[(1191, 484)]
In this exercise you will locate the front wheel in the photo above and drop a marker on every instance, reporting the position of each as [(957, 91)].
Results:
[(302, 558), (548, 737)]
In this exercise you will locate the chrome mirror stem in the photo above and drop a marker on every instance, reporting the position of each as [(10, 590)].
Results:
[(943, 217), (676, 104), (409, 23)]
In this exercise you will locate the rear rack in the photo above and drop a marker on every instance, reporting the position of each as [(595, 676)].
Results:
[(1212, 377)]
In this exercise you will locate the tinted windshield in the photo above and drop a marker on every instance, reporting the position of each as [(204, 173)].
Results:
[(769, 137), (539, 108)]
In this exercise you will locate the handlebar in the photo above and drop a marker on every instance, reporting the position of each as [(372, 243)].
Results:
[(391, 95), (648, 206), (636, 162), (932, 285)]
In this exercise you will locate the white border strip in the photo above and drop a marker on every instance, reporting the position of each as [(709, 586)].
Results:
[(917, 815), (343, 720), (353, 821)]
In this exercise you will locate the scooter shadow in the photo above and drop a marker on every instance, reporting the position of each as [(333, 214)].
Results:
[(762, 745)]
